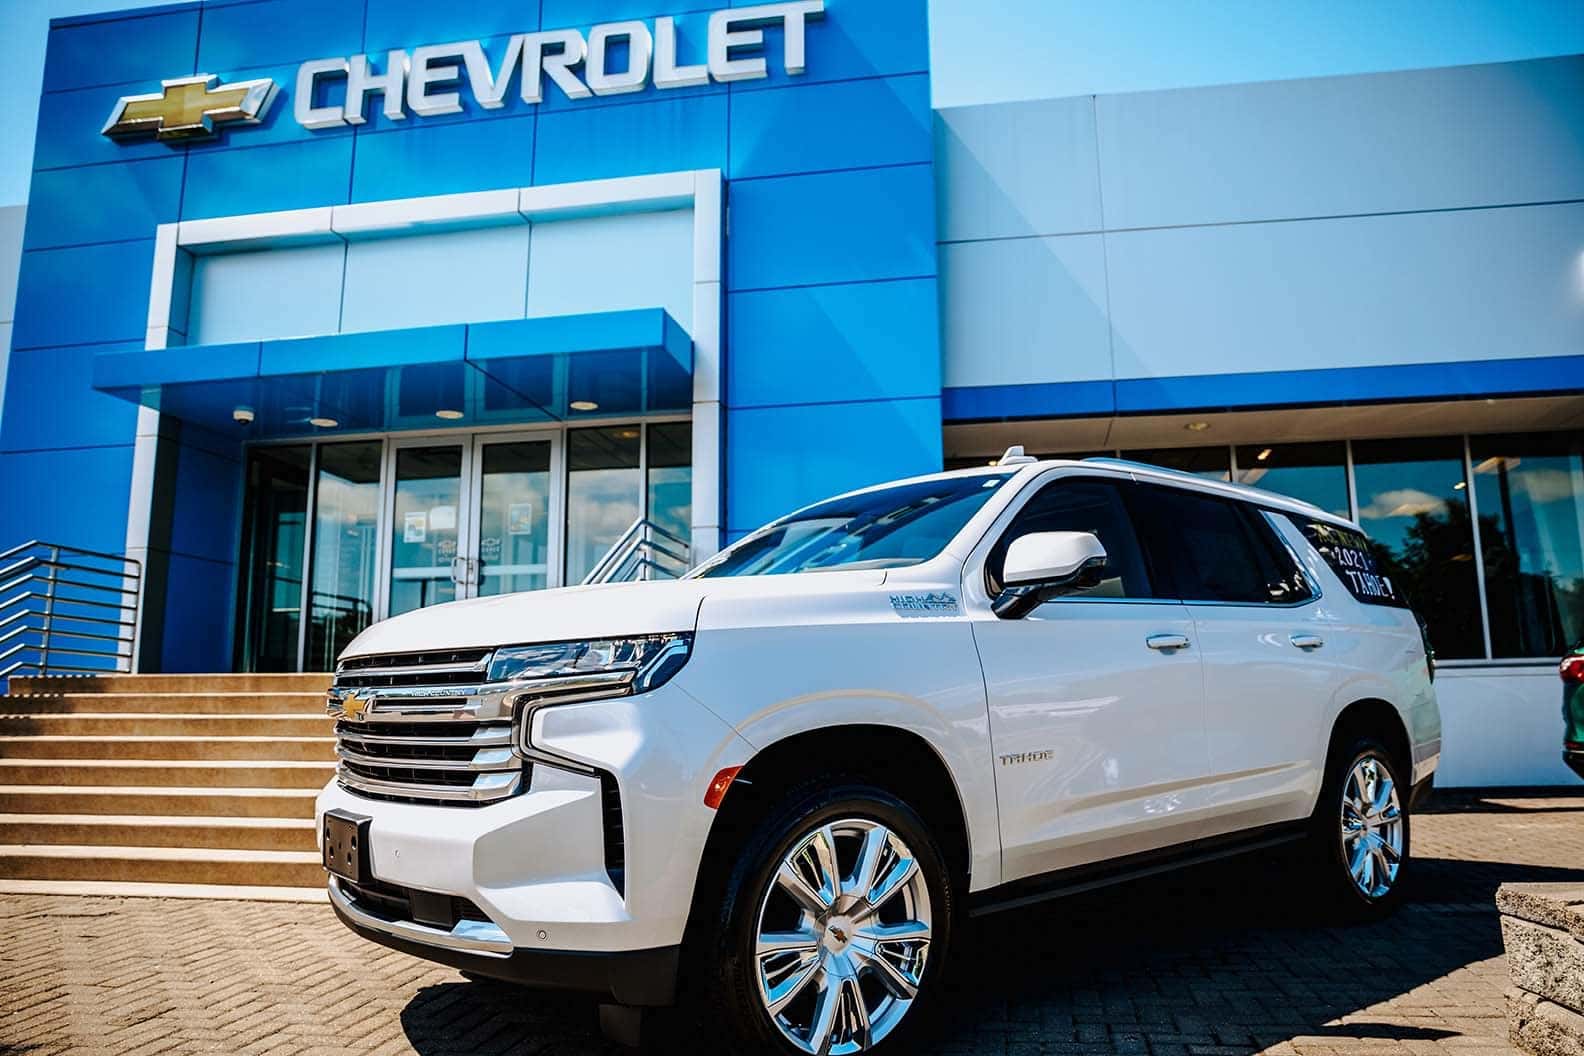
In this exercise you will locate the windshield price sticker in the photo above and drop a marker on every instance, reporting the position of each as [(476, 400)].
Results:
[(935, 603)]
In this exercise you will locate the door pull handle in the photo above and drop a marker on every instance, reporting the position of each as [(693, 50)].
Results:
[(1167, 642), (1307, 641)]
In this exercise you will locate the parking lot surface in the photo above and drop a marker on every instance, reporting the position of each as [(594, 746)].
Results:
[(1223, 961)]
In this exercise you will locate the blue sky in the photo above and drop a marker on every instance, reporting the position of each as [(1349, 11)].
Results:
[(997, 50)]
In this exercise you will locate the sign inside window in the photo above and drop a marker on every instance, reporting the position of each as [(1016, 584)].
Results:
[(1348, 553)]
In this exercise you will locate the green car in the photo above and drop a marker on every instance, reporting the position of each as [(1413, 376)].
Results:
[(1573, 710)]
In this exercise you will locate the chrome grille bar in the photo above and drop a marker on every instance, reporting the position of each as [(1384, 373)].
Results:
[(423, 728)]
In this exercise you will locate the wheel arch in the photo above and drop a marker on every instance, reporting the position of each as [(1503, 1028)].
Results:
[(1373, 715)]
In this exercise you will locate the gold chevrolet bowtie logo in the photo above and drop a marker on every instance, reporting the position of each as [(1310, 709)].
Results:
[(191, 108)]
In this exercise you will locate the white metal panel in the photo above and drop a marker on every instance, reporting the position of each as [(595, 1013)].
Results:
[(607, 263), (1501, 726), (1355, 292), (270, 293), (1424, 139), (470, 276), (1025, 310), (1016, 169)]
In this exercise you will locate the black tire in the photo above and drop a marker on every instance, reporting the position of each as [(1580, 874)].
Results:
[(734, 988), (1340, 895)]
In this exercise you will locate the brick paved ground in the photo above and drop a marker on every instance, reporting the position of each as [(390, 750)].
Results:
[(1218, 962)]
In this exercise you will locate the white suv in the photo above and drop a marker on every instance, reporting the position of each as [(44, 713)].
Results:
[(777, 783)]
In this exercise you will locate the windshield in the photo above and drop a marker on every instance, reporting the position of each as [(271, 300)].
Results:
[(884, 528)]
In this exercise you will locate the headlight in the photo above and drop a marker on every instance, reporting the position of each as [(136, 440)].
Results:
[(648, 661)]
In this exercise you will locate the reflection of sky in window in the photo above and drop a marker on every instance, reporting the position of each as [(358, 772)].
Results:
[(1392, 495)]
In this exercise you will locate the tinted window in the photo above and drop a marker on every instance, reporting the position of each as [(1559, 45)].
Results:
[(1352, 557), (1219, 550), (1081, 506)]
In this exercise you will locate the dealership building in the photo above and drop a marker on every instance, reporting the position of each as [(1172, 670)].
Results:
[(331, 309)]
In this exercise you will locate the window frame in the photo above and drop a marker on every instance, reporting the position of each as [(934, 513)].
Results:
[(1122, 485)]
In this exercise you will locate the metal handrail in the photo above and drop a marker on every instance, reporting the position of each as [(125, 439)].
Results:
[(642, 553), (68, 610)]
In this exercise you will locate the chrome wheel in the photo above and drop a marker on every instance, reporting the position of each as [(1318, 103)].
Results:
[(842, 937), (1372, 827)]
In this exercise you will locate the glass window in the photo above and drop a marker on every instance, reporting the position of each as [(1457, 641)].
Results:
[(1413, 504), (1209, 548), (1212, 463), (1312, 473), (1093, 506), (1530, 494), (1352, 558), (604, 488), (883, 528), (346, 532), (277, 515), (670, 464)]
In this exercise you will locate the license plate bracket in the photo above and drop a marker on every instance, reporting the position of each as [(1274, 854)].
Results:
[(346, 845)]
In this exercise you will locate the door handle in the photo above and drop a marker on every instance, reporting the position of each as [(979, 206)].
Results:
[(1307, 641), (1167, 642)]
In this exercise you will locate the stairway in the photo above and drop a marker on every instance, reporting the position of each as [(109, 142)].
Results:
[(184, 785)]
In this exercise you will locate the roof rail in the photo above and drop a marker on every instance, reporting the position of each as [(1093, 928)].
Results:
[(1184, 475)]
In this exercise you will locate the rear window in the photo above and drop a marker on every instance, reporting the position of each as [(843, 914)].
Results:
[(1351, 556)]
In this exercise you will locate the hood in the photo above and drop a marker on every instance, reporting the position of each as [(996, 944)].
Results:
[(606, 610)]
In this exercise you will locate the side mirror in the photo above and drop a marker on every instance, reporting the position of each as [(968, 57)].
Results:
[(1045, 565)]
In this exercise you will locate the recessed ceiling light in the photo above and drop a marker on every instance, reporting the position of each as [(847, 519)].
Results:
[(584, 405), (1263, 455), (324, 423), (627, 434), (448, 414), (243, 415), (1459, 486), (1197, 427)]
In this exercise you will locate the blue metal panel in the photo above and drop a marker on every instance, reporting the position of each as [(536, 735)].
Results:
[(90, 513), (990, 403), (820, 127), (602, 141), (248, 35), (86, 295), (208, 488), (692, 30), (43, 383), (1025, 310), (790, 456), (867, 341), (103, 203), (198, 615), (1013, 169), (856, 38), (577, 13), (411, 23), (69, 124), (834, 227), (390, 348), (421, 160), (147, 46), (131, 368), (268, 179)]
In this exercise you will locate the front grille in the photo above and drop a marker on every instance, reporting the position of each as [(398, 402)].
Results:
[(411, 729)]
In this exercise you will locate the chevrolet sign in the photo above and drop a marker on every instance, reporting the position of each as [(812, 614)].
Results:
[(613, 58)]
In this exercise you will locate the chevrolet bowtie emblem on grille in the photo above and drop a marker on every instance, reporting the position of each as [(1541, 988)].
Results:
[(191, 108), (355, 708)]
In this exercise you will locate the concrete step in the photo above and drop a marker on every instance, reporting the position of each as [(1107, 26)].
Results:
[(213, 703), (180, 865), (172, 725), (127, 889), (186, 802), (152, 830), (198, 683), (170, 749), (157, 773)]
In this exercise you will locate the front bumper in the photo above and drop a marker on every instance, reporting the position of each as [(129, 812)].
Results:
[(535, 865), (628, 977)]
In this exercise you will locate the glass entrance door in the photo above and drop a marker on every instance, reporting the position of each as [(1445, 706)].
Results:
[(516, 538), (426, 527)]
